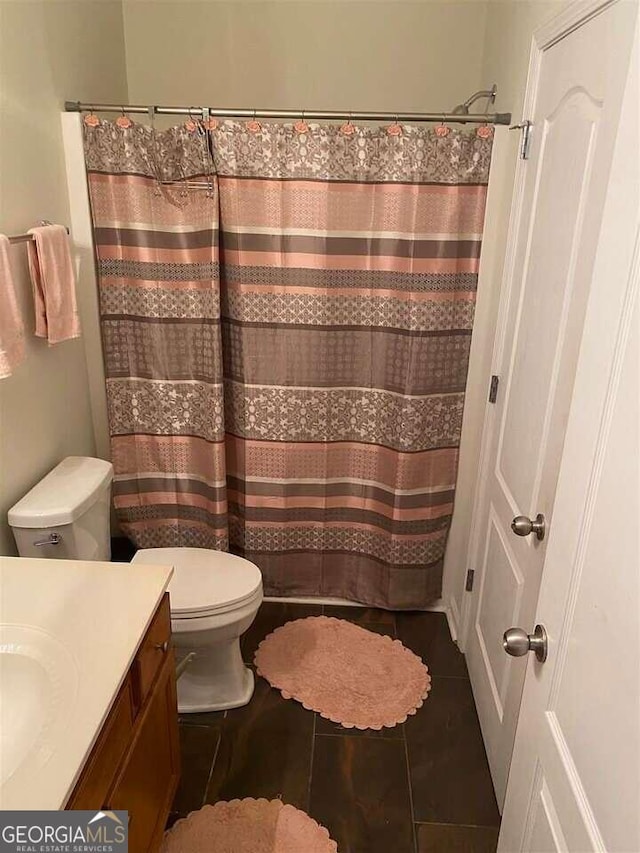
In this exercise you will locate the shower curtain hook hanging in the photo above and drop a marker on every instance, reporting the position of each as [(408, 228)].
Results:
[(191, 123), (253, 124), (123, 120), (301, 126), (208, 122), (485, 131), (394, 129), (348, 128), (91, 119), (442, 129), (151, 110)]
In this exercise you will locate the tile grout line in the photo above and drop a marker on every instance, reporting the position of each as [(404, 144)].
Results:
[(213, 763), (462, 825), (359, 737), (411, 809)]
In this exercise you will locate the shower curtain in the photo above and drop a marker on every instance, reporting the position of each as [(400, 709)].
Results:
[(286, 351), (159, 288)]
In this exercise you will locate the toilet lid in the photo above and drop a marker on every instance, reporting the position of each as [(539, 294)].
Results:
[(204, 580)]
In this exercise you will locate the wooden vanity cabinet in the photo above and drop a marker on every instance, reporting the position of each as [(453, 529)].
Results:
[(135, 762)]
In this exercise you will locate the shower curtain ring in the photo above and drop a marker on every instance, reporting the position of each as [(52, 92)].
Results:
[(91, 120), (484, 131), (348, 128), (301, 126), (191, 123), (253, 124), (394, 129), (123, 120)]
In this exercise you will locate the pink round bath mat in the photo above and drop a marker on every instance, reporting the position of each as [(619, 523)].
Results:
[(349, 675), (248, 826)]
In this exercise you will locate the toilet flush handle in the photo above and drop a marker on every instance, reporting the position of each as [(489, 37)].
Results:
[(51, 539)]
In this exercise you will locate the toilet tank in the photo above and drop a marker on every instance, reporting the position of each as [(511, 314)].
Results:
[(66, 514)]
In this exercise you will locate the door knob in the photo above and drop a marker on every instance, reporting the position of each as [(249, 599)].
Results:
[(523, 526), (517, 642)]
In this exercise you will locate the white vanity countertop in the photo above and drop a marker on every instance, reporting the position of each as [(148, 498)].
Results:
[(99, 613)]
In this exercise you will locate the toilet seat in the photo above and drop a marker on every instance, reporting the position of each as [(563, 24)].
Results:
[(205, 582)]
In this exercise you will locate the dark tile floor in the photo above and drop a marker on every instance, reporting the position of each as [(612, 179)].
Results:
[(421, 787)]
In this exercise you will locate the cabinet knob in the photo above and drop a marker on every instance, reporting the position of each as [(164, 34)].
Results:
[(162, 647)]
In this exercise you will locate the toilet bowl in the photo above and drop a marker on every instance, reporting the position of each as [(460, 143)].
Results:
[(214, 598)]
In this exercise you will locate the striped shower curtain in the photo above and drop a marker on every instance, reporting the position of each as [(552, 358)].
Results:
[(286, 345), (156, 243)]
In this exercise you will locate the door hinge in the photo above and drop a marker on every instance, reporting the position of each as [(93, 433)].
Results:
[(493, 388), (469, 582), (525, 137)]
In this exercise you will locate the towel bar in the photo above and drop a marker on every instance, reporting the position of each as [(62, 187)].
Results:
[(24, 238)]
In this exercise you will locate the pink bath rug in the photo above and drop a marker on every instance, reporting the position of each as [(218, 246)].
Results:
[(248, 826), (349, 675)]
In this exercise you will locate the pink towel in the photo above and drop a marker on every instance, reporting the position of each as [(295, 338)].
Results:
[(54, 286), (11, 329)]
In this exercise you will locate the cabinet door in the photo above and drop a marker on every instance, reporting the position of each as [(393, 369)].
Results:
[(106, 756), (151, 655), (148, 780)]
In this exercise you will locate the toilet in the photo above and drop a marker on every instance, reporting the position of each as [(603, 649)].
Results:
[(214, 596), (66, 515), (214, 599)]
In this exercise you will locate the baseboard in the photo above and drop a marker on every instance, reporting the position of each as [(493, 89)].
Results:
[(453, 618)]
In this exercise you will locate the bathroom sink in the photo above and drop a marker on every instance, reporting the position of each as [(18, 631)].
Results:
[(38, 685)]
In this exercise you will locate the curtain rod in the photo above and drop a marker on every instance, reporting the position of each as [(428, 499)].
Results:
[(326, 115)]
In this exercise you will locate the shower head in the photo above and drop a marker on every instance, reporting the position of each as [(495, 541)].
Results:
[(489, 94)]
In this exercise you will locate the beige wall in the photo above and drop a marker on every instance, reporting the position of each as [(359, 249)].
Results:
[(49, 51), (347, 55), (509, 29)]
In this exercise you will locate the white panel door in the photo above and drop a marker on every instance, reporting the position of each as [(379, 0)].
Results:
[(574, 96), (574, 783)]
